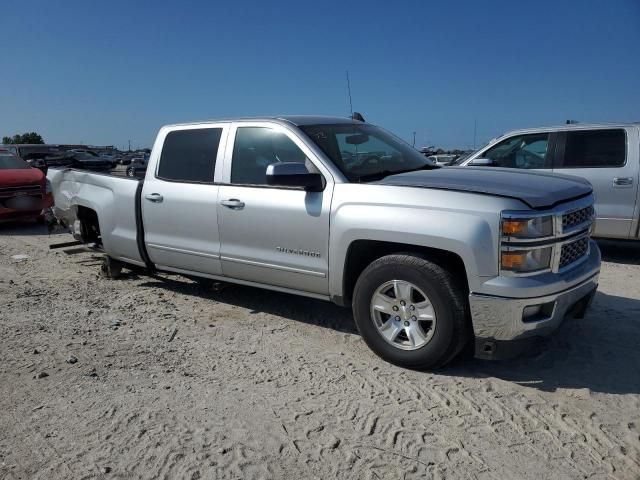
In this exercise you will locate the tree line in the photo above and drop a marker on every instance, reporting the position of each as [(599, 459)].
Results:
[(30, 137)]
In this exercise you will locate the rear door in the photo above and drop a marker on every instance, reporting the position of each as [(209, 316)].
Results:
[(179, 200), (608, 158), (270, 234)]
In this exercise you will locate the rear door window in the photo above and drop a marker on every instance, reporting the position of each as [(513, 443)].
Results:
[(595, 149), (522, 151), (190, 155)]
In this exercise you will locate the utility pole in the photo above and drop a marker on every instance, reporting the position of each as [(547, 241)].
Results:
[(130, 145), (414, 139)]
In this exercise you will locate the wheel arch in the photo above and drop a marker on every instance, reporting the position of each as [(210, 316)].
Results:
[(361, 253), (89, 224)]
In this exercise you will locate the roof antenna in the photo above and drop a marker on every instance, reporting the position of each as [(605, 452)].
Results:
[(354, 115), (349, 93)]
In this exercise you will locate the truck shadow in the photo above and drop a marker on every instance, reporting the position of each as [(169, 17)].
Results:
[(600, 353), (29, 228), (258, 300), (619, 251)]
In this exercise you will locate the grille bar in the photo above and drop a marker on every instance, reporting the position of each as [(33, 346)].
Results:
[(31, 190), (573, 251), (577, 218)]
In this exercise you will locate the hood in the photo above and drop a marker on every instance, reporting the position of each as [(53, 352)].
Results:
[(20, 176), (536, 189)]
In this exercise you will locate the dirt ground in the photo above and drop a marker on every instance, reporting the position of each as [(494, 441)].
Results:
[(157, 377)]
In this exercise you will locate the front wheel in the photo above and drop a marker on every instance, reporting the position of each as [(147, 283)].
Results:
[(411, 311)]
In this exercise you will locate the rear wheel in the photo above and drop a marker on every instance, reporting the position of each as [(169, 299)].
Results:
[(411, 311), (111, 268)]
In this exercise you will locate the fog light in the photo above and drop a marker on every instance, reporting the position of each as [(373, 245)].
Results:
[(537, 313), (530, 311)]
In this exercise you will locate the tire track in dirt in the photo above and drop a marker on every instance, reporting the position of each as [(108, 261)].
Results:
[(264, 385)]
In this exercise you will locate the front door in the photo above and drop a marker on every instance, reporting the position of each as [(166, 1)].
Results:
[(179, 201), (609, 160), (532, 151), (272, 235)]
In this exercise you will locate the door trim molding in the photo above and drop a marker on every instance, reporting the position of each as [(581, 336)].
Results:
[(181, 250), (248, 283), (273, 266)]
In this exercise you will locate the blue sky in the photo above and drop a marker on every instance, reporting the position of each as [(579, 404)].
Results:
[(106, 72)]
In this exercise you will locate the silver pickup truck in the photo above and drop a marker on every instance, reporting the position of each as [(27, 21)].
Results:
[(607, 155), (429, 258)]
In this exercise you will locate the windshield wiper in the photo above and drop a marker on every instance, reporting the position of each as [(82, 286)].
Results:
[(385, 173)]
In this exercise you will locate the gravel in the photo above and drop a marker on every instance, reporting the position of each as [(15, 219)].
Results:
[(283, 387)]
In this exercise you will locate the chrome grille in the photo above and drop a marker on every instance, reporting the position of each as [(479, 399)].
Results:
[(577, 217), (573, 251)]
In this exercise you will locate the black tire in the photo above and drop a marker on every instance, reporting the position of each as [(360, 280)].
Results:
[(210, 285), (111, 268), (448, 297)]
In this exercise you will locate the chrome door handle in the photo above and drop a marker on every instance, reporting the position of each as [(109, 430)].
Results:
[(623, 181), (154, 197), (233, 203)]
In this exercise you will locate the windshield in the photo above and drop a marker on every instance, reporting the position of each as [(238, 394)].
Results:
[(364, 152), (11, 162)]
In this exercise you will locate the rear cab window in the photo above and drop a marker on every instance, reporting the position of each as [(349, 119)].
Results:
[(602, 148), (189, 155)]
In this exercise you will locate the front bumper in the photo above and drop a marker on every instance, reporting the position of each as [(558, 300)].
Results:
[(10, 214), (503, 324)]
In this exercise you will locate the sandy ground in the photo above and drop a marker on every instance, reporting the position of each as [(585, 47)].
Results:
[(156, 377)]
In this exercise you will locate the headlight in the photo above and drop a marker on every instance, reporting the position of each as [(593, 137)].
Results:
[(527, 228), (526, 261)]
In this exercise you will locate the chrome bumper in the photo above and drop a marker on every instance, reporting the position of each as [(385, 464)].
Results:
[(503, 319)]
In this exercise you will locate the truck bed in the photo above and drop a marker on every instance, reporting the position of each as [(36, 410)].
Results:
[(114, 199)]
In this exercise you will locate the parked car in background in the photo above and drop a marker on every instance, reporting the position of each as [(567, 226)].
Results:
[(36, 155), (24, 191), (607, 155), (113, 158), (125, 158), (429, 258), (88, 160), (442, 160), (138, 166)]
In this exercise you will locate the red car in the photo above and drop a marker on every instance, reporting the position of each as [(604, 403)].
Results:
[(24, 191)]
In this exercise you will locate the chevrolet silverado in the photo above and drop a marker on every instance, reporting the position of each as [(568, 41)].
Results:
[(430, 259)]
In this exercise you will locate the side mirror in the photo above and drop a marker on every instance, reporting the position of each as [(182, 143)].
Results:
[(482, 162), (294, 174)]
